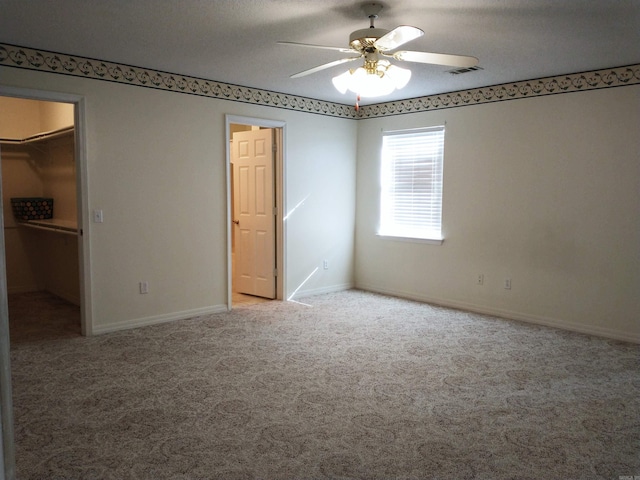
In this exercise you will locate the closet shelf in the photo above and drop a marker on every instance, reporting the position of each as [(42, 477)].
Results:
[(52, 225), (39, 137)]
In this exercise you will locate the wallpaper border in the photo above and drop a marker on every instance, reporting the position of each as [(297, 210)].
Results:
[(59, 63), (577, 82)]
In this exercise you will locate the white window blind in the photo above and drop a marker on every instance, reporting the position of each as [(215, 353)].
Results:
[(411, 200)]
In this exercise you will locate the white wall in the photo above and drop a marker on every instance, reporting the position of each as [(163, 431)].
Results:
[(35, 259), (20, 178), (22, 118), (544, 191), (156, 167), (55, 115), (38, 260)]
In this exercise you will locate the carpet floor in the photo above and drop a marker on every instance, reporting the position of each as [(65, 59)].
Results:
[(349, 385)]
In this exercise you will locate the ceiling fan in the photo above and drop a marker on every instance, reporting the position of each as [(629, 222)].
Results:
[(378, 76)]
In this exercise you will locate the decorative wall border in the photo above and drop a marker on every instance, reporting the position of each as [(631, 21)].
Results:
[(578, 82), (52, 62)]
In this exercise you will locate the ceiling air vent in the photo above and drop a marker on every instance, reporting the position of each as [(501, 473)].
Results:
[(458, 71)]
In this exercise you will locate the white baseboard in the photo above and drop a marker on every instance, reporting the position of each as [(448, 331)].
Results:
[(320, 291), (511, 315), (156, 319)]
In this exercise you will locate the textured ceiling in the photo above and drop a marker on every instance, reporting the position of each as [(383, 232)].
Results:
[(235, 41)]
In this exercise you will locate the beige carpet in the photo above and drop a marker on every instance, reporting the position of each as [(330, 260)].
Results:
[(356, 385)]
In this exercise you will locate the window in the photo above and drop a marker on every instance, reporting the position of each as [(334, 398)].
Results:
[(411, 177)]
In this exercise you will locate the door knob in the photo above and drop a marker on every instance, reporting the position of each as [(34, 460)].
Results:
[(237, 222)]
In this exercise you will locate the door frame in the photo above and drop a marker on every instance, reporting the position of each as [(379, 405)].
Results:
[(280, 129), (84, 257), (82, 197)]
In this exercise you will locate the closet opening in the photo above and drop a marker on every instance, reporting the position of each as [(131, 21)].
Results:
[(40, 213)]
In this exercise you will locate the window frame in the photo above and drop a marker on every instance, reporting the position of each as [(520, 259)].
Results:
[(391, 232)]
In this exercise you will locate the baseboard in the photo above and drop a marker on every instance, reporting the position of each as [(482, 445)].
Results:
[(22, 289), (508, 314), (156, 319), (69, 297), (320, 291)]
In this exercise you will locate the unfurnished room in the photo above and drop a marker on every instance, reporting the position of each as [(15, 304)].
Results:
[(286, 239)]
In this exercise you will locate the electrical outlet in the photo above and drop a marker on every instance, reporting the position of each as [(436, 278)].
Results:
[(480, 280), (144, 287), (507, 284), (325, 264)]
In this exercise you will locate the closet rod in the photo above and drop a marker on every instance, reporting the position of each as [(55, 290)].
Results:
[(38, 136)]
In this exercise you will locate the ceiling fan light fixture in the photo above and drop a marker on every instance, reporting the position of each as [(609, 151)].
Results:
[(399, 76), (341, 82), (382, 81), (378, 77)]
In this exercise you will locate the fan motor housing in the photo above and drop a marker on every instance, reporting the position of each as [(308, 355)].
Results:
[(364, 38)]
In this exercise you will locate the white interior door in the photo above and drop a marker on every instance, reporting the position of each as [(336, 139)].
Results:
[(254, 214)]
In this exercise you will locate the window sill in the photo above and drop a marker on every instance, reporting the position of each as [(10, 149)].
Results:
[(429, 241)]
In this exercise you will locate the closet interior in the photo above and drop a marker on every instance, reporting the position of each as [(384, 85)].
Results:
[(37, 146)]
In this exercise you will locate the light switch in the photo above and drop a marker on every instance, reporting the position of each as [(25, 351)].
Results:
[(97, 216)]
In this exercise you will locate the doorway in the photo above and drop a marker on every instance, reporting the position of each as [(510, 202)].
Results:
[(39, 194), (65, 141), (255, 166)]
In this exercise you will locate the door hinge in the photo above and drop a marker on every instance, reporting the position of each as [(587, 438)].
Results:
[(275, 272), (274, 148), (275, 210)]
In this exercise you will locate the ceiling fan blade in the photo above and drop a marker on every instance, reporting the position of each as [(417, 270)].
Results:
[(324, 66), (437, 58), (309, 45), (396, 37)]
